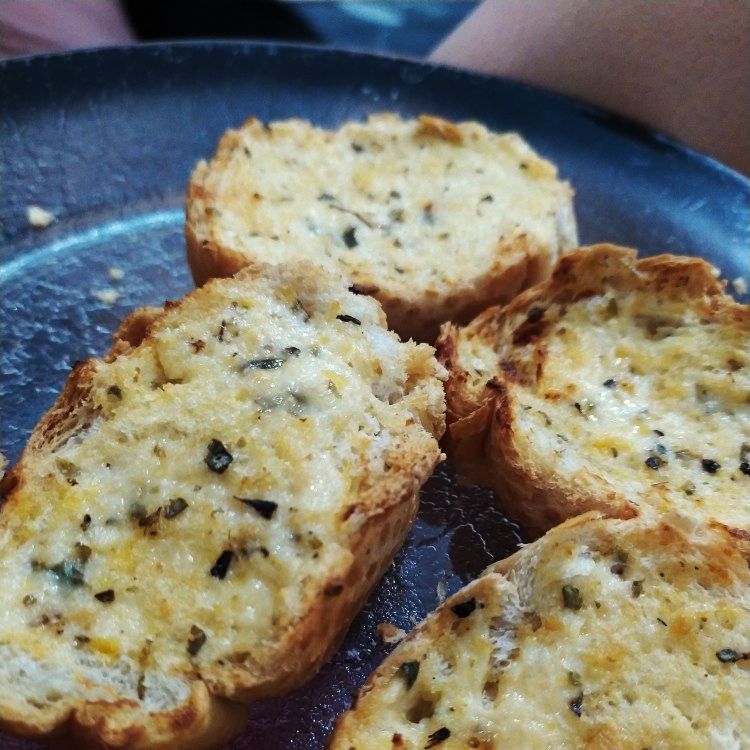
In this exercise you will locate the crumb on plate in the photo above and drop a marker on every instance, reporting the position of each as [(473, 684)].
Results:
[(39, 217), (115, 273), (740, 285), (389, 633), (107, 296)]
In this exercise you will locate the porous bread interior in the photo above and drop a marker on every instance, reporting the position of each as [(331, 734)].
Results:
[(634, 386), (420, 209), (634, 652), (314, 408)]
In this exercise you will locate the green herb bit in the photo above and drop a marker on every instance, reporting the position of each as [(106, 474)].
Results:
[(265, 508), (174, 507), (572, 598), (218, 457), (196, 640)]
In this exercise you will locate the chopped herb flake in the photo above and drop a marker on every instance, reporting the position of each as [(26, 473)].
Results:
[(349, 319), (292, 351), (710, 465), (653, 462), (262, 364), (196, 640), (349, 235), (265, 508), (610, 383), (86, 522), (636, 588), (218, 457), (221, 566), (174, 507), (571, 597), (745, 468), (730, 656), (576, 704), (363, 289), (68, 574), (325, 197), (106, 596), (115, 390), (441, 735)]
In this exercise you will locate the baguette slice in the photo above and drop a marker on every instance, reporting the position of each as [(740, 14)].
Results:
[(201, 514), (602, 635), (619, 385), (436, 220)]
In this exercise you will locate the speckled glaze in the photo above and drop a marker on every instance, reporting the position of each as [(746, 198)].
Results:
[(106, 140)]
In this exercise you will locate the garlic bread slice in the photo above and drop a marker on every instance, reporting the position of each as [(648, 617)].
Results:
[(435, 219), (602, 634), (619, 384), (201, 514)]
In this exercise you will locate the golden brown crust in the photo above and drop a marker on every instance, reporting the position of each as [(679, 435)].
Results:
[(215, 710), (482, 429)]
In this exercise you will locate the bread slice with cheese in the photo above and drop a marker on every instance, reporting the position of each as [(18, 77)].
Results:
[(619, 384), (602, 635), (435, 219), (200, 515)]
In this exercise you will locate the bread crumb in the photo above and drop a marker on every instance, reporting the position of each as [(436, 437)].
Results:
[(115, 273), (389, 633), (740, 285), (39, 217), (3, 464), (440, 590), (107, 296)]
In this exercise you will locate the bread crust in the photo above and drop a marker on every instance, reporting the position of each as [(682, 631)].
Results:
[(413, 311), (216, 708), (483, 433)]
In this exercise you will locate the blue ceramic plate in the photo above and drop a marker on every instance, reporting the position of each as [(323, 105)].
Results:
[(106, 140)]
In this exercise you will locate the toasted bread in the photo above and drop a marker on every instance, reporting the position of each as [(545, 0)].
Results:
[(202, 512), (436, 220), (618, 385), (602, 634)]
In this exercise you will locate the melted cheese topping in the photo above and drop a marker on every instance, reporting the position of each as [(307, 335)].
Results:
[(200, 511), (603, 646), (644, 394), (388, 201)]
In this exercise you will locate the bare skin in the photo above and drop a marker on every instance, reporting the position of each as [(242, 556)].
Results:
[(679, 66)]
